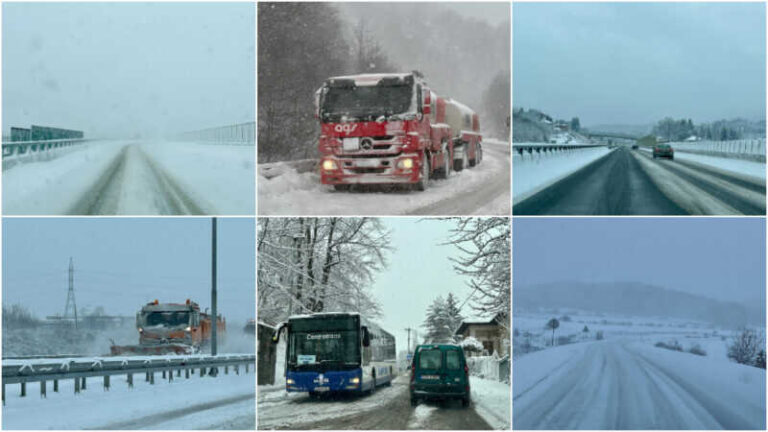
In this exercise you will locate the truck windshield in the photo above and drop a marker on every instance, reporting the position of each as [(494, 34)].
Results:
[(331, 349), (167, 319), (365, 102)]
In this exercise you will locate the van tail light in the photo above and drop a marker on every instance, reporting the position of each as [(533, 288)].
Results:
[(413, 372), (466, 370)]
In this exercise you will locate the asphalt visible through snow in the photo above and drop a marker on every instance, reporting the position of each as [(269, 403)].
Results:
[(631, 182), (388, 408)]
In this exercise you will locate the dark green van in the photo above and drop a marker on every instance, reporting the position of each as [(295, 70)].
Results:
[(439, 372)]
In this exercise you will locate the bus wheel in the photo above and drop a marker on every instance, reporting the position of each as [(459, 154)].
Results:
[(313, 395), (373, 387)]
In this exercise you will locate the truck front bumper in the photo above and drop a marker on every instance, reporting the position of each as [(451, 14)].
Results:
[(404, 168)]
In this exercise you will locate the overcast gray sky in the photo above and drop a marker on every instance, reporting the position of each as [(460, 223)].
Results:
[(720, 258), (420, 270), (123, 263), (635, 63), (118, 69)]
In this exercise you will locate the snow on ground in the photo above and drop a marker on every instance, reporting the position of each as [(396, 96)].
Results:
[(532, 173), (491, 401), (297, 193), (220, 178), (741, 166), (137, 407), (53, 186), (420, 417)]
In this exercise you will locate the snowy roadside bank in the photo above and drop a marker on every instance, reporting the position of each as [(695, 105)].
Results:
[(739, 166), (491, 401), (531, 173)]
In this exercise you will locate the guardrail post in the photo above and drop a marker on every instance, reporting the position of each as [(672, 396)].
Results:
[(151, 377), (246, 368), (226, 370), (84, 386), (55, 386), (237, 369), (130, 380), (170, 375), (178, 373), (106, 382), (163, 374), (186, 373), (146, 378), (77, 385), (23, 389), (3, 393), (42, 389)]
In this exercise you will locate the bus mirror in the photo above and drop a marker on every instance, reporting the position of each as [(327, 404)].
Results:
[(366, 337), (276, 334)]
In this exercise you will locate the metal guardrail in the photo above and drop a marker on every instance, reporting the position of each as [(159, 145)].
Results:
[(21, 148), (243, 134), (530, 148), (78, 369)]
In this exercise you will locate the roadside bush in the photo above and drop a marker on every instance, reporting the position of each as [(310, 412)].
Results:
[(745, 347), (696, 349), (673, 345), (599, 335)]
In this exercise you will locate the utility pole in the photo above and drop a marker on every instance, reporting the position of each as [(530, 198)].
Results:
[(215, 318), (408, 329), (71, 305)]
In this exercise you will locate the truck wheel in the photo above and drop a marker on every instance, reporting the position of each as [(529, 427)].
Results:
[(473, 161), (423, 182), (341, 187), (459, 164), (445, 173)]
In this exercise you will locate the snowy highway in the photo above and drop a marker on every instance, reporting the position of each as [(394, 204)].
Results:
[(631, 182), (482, 190), (388, 408), (627, 385), (133, 178)]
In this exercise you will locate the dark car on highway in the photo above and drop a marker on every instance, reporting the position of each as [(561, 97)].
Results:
[(635, 146), (663, 151), (439, 371)]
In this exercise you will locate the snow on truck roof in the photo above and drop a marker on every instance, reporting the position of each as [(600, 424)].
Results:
[(465, 109), (370, 79)]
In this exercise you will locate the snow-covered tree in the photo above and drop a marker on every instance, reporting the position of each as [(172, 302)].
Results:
[(311, 265), (745, 347), (484, 256), (470, 344), (443, 319)]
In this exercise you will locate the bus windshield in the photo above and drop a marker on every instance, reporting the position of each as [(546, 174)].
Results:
[(331, 348)]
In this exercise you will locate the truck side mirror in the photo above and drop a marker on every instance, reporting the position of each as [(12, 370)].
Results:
[(427, 105), (366, 337), (426, 109)]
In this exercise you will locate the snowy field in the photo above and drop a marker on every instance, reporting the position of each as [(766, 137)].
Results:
[(482, 190), (532, 173), (134, 177), (625, 381), (224, 402)]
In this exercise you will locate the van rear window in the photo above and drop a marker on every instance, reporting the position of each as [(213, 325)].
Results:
[(452, 360), (430, 359)]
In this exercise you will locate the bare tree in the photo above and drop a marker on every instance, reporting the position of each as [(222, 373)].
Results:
[(745, 347)]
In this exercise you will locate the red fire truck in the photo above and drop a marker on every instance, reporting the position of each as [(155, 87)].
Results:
[(392, 129)]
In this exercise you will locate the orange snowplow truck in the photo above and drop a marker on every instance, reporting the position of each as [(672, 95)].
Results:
[(392, 129), (176, 328)]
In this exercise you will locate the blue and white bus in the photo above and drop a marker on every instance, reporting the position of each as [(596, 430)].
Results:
[(336, 352)]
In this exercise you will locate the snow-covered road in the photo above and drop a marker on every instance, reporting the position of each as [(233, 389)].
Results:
[(629, 385), (482, 190), (134, 178), (389, 408)]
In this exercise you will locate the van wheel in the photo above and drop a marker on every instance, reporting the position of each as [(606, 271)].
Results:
[(414, 401), (465, 401), (423, 183)]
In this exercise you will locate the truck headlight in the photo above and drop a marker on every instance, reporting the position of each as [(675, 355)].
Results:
[(406, 163), (329, 165)]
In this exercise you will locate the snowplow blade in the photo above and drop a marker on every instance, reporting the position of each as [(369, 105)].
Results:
[(180, 349)]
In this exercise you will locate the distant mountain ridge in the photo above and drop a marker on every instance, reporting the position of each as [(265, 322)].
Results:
[(636, 299)]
